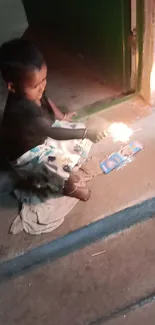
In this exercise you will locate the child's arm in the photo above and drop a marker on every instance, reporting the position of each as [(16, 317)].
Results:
[(59, 115), (58, 133), (67, 134)]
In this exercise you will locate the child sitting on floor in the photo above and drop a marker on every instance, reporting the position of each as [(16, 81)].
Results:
[(31, 140)]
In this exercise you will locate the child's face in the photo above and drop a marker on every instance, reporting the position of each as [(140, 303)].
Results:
[(34, 84)]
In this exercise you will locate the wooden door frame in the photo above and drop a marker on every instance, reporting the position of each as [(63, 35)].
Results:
[(146, 43)]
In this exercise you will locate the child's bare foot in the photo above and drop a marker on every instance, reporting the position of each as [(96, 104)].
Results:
[(80, 193), (71, 189), (75, 178)]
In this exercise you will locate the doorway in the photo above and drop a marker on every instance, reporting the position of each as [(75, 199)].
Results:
[(89, 48)]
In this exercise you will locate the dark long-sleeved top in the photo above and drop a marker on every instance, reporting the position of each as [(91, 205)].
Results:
[(26, 125)]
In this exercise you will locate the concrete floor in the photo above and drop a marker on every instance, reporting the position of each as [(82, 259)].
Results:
[(85, 288), (142, 315), (135, 181), (93, 284), (104, 279)]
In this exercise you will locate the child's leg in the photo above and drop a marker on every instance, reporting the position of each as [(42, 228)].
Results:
[(72, 190)]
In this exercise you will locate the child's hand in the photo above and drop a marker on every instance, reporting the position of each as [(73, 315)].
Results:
[(69, 116), (95, 135)]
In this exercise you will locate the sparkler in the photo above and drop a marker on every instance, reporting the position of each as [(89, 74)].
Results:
[(120, 132)]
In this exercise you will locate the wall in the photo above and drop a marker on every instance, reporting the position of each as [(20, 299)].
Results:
[(13, 23), (148, 64)]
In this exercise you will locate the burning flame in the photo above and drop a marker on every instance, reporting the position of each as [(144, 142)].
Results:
[(120, 132)]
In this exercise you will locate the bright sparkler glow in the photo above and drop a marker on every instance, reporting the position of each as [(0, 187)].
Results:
[(120, 132)]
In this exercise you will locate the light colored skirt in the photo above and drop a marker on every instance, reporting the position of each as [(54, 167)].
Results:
[(50, 164)]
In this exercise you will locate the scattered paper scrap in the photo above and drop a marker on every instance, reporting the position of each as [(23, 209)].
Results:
[(99, 253)]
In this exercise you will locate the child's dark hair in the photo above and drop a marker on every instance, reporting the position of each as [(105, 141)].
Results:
[(17, 57)]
